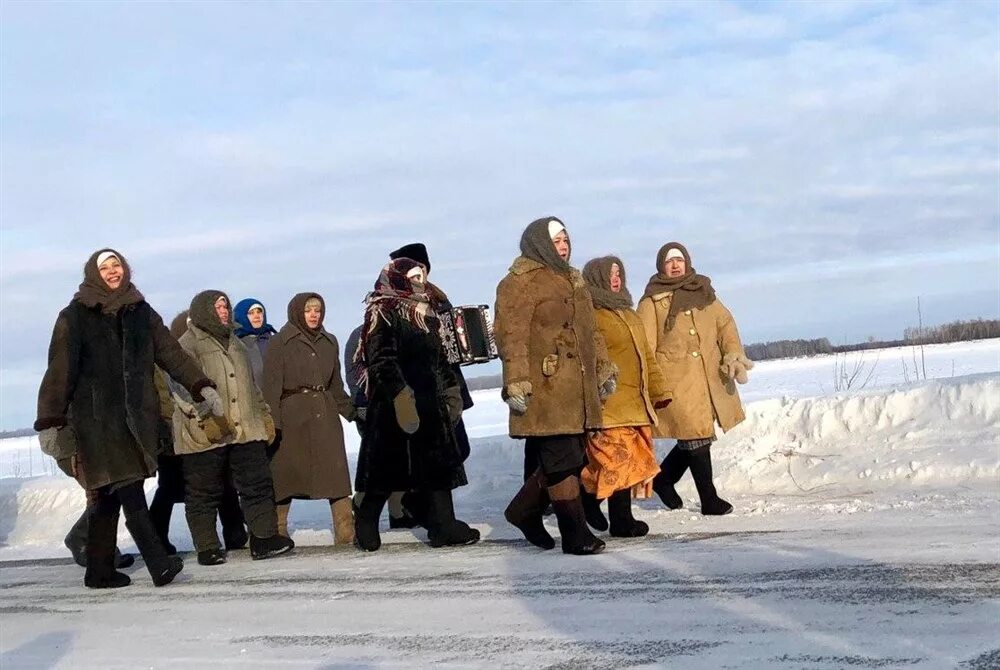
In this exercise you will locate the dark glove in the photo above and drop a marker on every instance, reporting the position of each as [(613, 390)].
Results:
[(406, 411), (360, 414)]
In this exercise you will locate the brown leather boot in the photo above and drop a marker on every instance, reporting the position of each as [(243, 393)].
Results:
[(525, 511), (343, 521), (576, 537), (282, 513)]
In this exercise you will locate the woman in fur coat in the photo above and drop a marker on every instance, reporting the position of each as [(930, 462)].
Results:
[(621, 454), (699, 351), (414, 403), (555, 375), (304, 388), (99, 383)]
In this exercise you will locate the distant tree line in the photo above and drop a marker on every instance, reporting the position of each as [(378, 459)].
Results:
[(956, 331)]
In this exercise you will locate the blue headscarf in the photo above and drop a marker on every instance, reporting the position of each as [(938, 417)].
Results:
[(240, 315)]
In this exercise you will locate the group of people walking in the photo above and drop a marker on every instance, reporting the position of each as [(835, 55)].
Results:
[(239, 419)]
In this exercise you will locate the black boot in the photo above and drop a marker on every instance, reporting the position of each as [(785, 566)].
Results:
[(526, 509), (234, 531), (445, 530), (366, 516), (76, 538), (160, 511), (576, 537), (102, 530), (268, 547), (162, 567), (592, 510), (416, 505), (701, 471), (211, 557), (623, 524), (672, 469)]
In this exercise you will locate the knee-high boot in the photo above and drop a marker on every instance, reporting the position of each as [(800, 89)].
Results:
[(672, 469), (526, 510), (701, 471), (623, 524), (576, 537)]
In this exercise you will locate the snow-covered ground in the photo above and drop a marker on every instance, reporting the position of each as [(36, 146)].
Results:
[(866, 534)]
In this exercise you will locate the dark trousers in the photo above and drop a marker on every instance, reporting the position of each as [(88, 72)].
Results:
[(170, 491), (108, 502), (205, 476)]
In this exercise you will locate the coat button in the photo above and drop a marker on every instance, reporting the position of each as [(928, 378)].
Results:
[(313, 353), (688, 312), (693, 332), (233, 400), (695, 354), (566, 324), (317, 416), (569, 355), (232, 374)]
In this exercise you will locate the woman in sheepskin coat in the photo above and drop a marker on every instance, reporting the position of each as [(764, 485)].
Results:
[(701, 356), (555, 376)]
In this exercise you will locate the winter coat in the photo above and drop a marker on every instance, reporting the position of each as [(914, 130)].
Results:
[(399, 354), (229, 367), (305, 391), (690, 355), (100, 382), (640, 383), (546, 335), (256, 346)]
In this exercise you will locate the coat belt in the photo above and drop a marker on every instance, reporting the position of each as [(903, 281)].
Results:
[(302, 389)]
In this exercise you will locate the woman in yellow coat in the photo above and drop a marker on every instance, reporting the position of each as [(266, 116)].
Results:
[(621, 455), (699, 352)]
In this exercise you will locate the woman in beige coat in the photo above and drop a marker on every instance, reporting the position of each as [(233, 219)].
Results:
[(304, 388), (700, 354)]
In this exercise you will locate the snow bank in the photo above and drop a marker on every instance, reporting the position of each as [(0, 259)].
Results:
[(936, 433)]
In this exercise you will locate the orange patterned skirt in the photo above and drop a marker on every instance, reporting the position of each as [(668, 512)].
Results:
[(620, 458)]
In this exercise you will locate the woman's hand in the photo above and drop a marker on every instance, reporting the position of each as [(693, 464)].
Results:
[(517, 395)]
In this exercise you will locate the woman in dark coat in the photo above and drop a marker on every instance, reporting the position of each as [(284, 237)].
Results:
[(304, 388), (414, 402), (99, 382)]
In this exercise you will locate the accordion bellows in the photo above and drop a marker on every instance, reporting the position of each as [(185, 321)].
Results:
[(467, 335)]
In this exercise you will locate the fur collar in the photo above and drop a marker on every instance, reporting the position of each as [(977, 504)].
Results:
[(524, 265)]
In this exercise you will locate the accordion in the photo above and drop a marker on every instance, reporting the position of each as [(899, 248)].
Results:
[(467, 335)]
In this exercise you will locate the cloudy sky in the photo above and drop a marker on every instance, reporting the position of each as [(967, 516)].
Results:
[(826, 163)]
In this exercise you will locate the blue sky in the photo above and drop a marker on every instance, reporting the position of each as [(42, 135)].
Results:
[(826, 163)]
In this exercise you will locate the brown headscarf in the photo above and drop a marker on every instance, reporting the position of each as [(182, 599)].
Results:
[(297, 314), (179, 325), (536, 244), (204, 316), (597, 274), (94, 292), (691, 291)]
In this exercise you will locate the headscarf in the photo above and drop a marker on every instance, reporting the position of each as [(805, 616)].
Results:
[(536, 244), (297, 314), (394, 292), (94, 292), (204, 316), (241, 317), (691, 291), (597, 274), (179, 325)]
